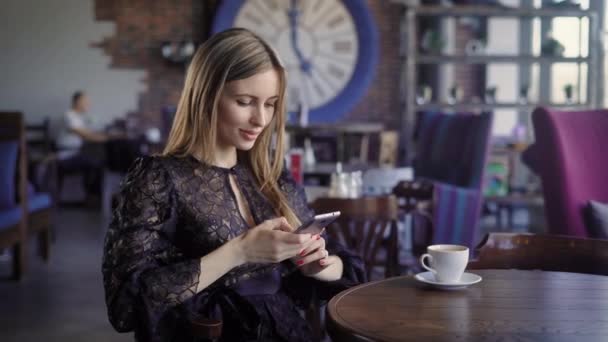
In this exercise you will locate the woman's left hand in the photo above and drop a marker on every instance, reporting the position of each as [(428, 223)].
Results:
[(314, 258)]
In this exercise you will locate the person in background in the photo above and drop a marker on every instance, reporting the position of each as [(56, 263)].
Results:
[(206, 228), (75, 131)]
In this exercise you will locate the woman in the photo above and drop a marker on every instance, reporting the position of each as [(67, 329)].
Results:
[(205, 229)]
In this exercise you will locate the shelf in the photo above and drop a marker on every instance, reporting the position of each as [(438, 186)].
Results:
[(482, 59), (483, 11), (355, 128), (488, 106)]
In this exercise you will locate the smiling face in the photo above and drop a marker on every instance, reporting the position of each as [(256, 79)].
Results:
[(246, 107)]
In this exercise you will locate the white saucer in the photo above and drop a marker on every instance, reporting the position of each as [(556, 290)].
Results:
[(467, 279)]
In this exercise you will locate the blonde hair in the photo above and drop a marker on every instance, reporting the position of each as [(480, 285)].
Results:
[(231, 55)]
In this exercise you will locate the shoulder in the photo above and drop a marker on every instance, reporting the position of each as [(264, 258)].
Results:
[(148, 172), (157, 168)]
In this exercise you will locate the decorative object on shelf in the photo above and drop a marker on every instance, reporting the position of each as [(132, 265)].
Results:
[(490, 95), (178, 52), (523, 94), (330, 49), (431, 42), (475, 47), (424, 94), (552, 47), (455, 95), (569, 93)]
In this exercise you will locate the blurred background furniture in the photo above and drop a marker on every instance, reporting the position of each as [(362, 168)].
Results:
[(451, 156), (13, 190), (542, 252), (569, 155), (427, 42), (120, 154)]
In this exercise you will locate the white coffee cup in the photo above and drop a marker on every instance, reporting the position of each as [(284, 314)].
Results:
[(447, 262)]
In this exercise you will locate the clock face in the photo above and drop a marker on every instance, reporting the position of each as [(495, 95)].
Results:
[(320, 43), (325, 38)]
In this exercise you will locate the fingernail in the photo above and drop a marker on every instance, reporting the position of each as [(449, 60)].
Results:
[(303, 252), (322, 262), (300, 262)]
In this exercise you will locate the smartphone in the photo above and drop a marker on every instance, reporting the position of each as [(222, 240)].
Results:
[(318, 223)]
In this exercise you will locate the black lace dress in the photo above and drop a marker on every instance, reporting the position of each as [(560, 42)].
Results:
[(172, 211)]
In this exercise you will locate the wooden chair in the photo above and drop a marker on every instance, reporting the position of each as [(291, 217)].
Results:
[(543, 252), (13, 213), (363, 226), (38, 137), (206, 329)]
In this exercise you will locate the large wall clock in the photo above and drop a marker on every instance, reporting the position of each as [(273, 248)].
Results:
[(329, 47)]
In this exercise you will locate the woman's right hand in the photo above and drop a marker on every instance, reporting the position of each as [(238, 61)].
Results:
[(270, 242)]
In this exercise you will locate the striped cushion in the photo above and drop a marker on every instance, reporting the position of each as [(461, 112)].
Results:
[(456, 215)]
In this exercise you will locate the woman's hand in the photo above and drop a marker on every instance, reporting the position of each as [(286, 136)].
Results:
[(314, 258), (270, 242)]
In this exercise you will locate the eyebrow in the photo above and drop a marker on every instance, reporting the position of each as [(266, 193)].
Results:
[(270, 98)]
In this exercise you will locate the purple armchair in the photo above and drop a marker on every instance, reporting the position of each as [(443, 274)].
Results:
[(570, 156)]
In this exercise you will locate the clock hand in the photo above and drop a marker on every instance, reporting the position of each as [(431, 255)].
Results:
[(293, 13)]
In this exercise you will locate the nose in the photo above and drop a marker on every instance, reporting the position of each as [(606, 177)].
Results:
[(259, 116)]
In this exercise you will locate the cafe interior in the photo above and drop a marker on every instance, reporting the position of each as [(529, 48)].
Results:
[(460, 140)]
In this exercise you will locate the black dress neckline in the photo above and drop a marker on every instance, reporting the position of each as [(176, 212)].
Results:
[(231, 169)]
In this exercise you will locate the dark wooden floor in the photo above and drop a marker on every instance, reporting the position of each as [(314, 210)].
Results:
[(62, 300)]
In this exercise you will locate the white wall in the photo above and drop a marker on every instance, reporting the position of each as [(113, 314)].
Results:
[(45, 55)]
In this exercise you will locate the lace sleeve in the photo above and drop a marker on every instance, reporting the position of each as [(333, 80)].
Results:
[(144, 274)]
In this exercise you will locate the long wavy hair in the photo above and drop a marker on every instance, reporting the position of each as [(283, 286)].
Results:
[(232, 55)]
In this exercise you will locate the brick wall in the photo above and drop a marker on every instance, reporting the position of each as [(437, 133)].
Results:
[(141, 27), (469, 77), (382, 101)]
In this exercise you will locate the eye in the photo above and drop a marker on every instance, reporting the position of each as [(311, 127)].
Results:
[(243, 103), (270, 105)]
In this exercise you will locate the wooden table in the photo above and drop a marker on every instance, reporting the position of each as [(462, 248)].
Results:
[(508, 305)]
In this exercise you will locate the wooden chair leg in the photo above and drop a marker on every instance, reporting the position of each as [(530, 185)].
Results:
[(44, 244), (19, 260)]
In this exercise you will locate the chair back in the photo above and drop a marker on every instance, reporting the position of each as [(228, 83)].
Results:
[(542, 252), (13, 173), (362, 226), (38, 137), (453, 148), (452, 151), (569, 156)]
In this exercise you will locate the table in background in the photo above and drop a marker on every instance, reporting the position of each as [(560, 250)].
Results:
[(510, 203), (508, 305), (320, 173)]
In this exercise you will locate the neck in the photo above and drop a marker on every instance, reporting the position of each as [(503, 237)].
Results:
[(223, 156)]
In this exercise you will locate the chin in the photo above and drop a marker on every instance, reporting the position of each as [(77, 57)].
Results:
[(245, 145)]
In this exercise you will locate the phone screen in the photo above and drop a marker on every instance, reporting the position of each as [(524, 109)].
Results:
[(316, 225)]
